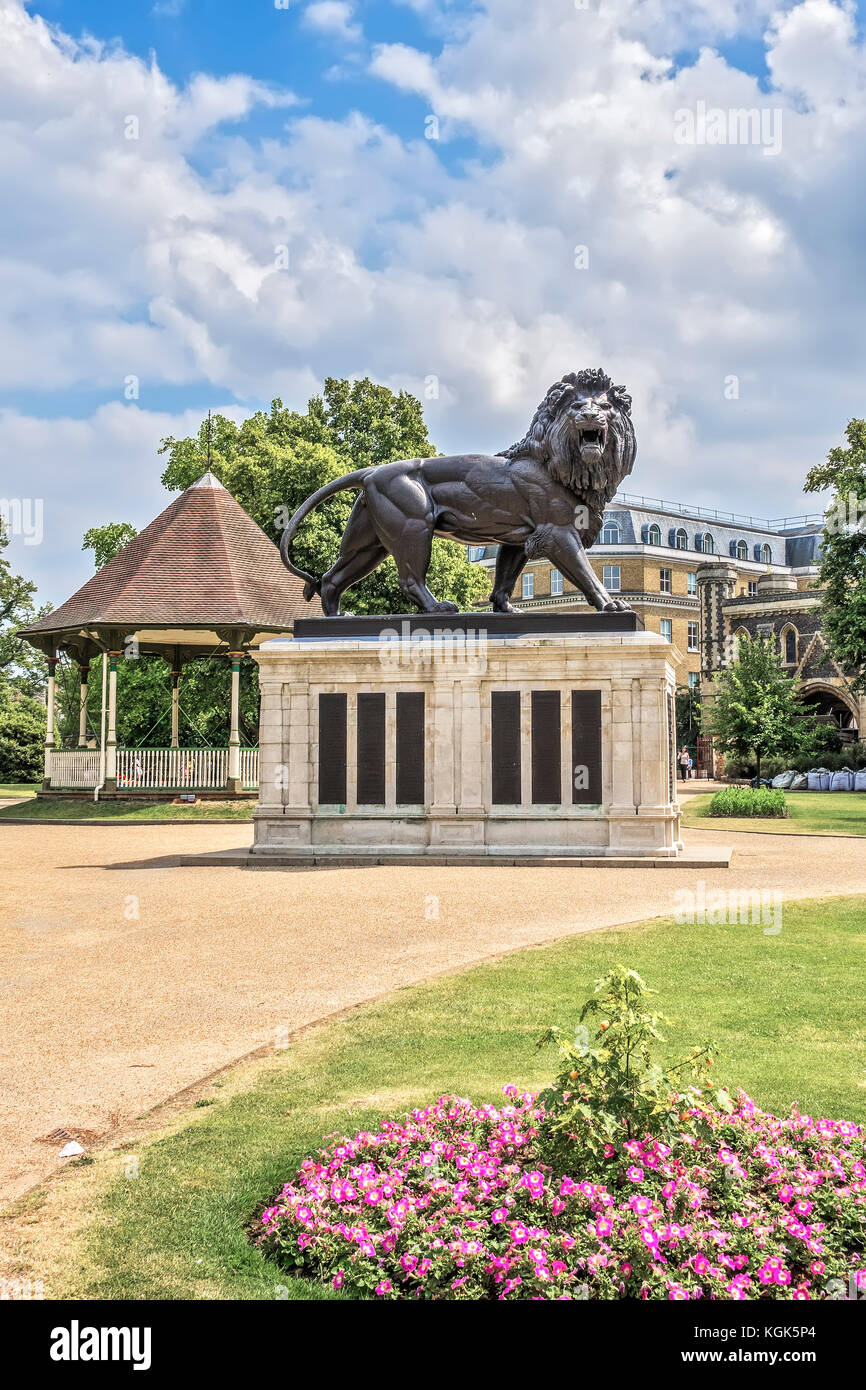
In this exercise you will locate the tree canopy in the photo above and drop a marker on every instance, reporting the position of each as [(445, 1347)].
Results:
[(20, 665), (274, 460), (843, 551), (757, 707), (108, 541)]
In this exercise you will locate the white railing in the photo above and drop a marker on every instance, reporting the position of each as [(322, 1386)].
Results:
[(184, 768), (249, 768), (77, 768), (149, 769)]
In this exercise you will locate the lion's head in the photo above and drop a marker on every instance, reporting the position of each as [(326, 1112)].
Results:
[(583, 432)]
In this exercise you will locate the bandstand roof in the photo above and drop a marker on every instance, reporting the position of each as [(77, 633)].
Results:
[(201, 571)]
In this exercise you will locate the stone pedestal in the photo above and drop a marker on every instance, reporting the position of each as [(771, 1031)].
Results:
[(576, 762)]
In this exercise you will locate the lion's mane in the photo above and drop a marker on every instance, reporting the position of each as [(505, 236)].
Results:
[(592, 484)]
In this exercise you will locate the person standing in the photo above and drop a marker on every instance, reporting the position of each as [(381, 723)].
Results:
[(684, 762)]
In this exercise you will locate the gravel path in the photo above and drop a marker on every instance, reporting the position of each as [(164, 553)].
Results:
[(125, 978)]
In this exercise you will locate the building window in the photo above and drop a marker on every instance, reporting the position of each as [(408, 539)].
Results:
[(666, 581), (611, 577), (691, 583), (694, 637), (611, 535), (682, 539), (789, 640), (529, 586), (742, 550), (667, 629), (694, 680), (654, 535), (555, 582), (476, 552), (753, 588), (766, 555)]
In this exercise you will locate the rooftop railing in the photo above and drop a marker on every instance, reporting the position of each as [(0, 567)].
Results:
[(787, 523)]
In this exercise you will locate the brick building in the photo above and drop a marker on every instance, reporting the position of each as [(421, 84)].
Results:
[(701, 577)]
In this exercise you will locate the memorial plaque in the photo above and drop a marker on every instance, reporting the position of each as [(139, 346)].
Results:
[(546, 748), (371, 749), (586, 747), (332, 750), (410, 748), (505, 747)]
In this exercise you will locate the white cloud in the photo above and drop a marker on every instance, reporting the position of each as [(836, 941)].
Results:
[(86, 472), (333, 17), (705, 261)]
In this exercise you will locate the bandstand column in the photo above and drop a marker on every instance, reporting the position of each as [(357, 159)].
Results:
[(84, 672), (233, 783), (49, 722), (175, 700), (111, 737)]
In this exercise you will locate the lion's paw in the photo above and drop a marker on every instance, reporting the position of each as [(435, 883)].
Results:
[(446, 606), (616, 605)]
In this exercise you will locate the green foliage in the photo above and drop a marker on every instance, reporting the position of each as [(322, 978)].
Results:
[(20, 664), (610, 1090), (758, 708), (688, 709), (848, 755), (749, 801), (273, 461), (144, 702), (22, 736), (842, 574), (108, 541)]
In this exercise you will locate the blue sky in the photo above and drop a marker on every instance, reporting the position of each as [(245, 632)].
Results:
[(448, 265)]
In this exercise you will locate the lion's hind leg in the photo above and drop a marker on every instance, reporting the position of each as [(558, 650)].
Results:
[(360, 552), (402, 513)]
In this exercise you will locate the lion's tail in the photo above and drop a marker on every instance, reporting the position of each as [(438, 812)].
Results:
[(312, 583)]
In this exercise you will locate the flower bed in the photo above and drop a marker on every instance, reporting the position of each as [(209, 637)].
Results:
[(456, 1202)]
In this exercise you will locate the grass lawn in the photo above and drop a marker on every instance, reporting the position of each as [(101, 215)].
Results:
[(786, 1012), (128, 811), (18, 789), (811, 813)]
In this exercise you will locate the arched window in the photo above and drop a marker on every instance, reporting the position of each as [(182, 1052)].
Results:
[(654, 535), (789, 645), (611, 535), (709, 544), (766, 555), (682, 539), (736, 638), (742, 550)]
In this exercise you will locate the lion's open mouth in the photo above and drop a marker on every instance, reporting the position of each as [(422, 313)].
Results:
[(592, 444)]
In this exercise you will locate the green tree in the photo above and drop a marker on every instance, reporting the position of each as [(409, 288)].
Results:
[(20, 664), (108, 541), (274, 460), (22, 736), (842, 574), (688, 713), (757, 707)]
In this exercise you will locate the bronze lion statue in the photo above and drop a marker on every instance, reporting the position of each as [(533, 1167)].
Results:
[(544, 497)]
